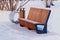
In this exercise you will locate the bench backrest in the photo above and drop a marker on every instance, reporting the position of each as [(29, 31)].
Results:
[(39, 15)]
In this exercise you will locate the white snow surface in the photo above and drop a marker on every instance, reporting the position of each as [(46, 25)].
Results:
[(11, 31)]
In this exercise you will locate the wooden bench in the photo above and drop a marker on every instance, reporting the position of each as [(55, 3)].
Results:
[(36, 20)]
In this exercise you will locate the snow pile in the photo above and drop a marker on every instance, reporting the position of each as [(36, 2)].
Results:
[(4, 16), (11, 31)]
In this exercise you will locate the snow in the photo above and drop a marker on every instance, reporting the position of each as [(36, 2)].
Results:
[(11, 31)]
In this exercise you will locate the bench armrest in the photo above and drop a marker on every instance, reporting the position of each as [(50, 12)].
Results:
[(30, 21)]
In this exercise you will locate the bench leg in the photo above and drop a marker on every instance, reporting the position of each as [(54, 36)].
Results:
[(41, 29), (29, 28), (21, 25)]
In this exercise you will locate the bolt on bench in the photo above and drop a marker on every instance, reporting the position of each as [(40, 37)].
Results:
[(37, 20)]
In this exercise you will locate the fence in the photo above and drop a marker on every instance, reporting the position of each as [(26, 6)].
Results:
[(8, 4)]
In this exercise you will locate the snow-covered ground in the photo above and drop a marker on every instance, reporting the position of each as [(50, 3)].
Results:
[(11, 31)]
